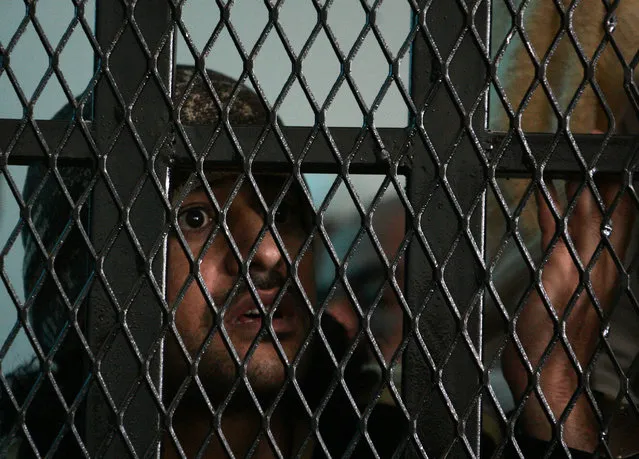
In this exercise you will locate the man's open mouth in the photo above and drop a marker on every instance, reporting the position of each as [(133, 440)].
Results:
[(256, 314), (246, 313)]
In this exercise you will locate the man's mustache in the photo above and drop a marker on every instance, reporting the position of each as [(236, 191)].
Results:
[(262, 280)]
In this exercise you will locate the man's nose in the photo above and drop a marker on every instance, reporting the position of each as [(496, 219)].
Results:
[(268, 256)]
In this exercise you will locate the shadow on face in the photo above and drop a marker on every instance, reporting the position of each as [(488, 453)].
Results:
[(235, 299)]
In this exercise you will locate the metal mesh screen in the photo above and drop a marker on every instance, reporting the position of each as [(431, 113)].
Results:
[(207, 273)]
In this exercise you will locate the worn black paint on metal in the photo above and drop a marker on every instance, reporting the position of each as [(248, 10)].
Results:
[(126, 303), (446, 151)]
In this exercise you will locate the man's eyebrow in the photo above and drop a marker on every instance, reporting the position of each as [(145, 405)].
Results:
[(180, 197), (190, 189), (198, 186)]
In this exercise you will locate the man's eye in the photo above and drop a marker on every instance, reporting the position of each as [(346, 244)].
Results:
[(194, 218)]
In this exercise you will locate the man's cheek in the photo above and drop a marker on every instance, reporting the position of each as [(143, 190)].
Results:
[(176, 271), (176, 282), (193, 323)]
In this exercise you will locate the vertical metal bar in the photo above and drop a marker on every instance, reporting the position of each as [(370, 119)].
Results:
[(125, 310), (442, 379)]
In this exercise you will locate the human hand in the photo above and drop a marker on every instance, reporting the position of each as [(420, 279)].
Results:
[(573, 308)]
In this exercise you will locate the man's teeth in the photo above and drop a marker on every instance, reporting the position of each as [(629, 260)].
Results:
[(256, 313)]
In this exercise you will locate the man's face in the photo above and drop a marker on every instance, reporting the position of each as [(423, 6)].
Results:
[(220, 270)]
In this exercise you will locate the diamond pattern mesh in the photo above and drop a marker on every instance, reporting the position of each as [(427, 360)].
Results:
[(186, 288)]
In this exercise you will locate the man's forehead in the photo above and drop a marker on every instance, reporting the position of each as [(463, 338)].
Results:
[(268, 183)]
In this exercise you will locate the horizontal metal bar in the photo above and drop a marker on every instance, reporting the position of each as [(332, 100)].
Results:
[(20, 144), (364, 156), (617, 155), (361, 156)]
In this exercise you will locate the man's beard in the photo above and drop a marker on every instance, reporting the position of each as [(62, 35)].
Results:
[(218, 372)]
